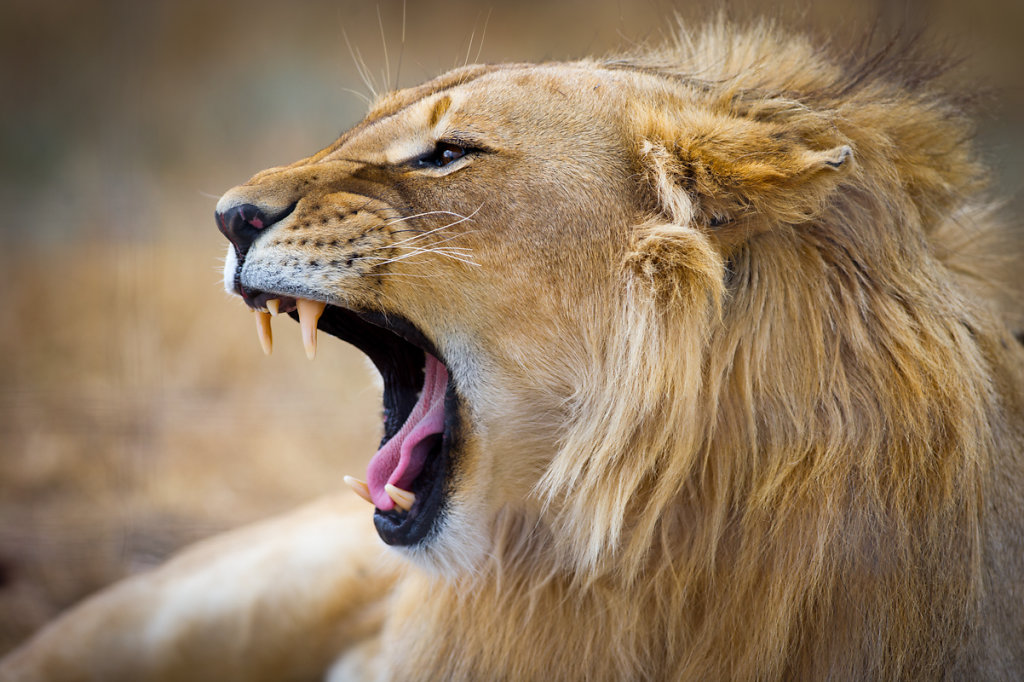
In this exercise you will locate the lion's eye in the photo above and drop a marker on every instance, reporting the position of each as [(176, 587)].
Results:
[(442, 154)]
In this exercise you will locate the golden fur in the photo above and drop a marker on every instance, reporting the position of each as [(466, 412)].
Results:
[(739, 402)]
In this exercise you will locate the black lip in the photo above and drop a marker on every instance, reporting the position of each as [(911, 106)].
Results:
[(378, 335), (432, 488)]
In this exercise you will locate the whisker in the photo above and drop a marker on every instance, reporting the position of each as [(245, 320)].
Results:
[(402, 244), (360, 95), (384, 42), (401, 52), (462, 251), (449, 238), (463, 260), (468, 260), (469, 48), (428, 246), (394, 274), (425, 234), (366, 70), (360, 66), (452, 249), (483, 34), (443, 227), (392, 221), (447, 252), (388, 261), (438, 248)]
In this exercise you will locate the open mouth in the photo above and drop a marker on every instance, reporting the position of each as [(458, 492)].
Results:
[(408, 476)]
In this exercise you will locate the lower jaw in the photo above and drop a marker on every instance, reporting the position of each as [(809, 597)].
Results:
[(431, 487), (398, 350)]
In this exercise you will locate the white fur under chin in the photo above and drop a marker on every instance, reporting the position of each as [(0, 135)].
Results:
[(457, 547)]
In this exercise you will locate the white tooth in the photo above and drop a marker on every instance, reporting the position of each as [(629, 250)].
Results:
[(403, 499), (274, 306), (359, 488), (263, 331), (309, 315)]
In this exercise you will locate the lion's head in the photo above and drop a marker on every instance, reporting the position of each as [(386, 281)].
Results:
[(682, 312)]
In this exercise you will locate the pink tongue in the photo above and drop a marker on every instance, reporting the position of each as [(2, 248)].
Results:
[(401, 459)]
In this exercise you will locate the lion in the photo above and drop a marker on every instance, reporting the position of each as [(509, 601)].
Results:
[(693, 369)]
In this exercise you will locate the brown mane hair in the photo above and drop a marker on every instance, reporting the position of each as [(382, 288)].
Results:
[(791, 399)]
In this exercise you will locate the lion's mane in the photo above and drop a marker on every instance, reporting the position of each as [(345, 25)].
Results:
[(774, 467)]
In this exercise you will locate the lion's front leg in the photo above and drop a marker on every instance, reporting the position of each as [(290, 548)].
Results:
[(278, 600)]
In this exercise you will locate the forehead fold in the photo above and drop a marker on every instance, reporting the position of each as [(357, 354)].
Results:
[(495, 104), (406, 134)]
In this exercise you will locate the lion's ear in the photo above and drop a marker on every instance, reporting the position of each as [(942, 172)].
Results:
[(719, 170)]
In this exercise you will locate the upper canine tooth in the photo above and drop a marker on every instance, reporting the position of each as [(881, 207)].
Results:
[(359, 487), (274, 306), (264, 333), (309, 315), (403, 499)]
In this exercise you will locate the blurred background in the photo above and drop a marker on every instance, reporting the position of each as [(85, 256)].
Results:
[(137, 412)]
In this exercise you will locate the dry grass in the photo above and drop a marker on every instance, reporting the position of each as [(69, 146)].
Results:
[(138, 414)]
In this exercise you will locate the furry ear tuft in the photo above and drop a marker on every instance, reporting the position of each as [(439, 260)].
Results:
[(837, 158), (717, 169), (677, 264)]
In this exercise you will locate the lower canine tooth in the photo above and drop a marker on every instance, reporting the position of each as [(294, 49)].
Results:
[(309, 315), (359, 487), (274, 306), (263, 331), (403, 499)]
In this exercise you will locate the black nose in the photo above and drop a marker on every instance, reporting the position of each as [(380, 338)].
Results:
[(241, 224)]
